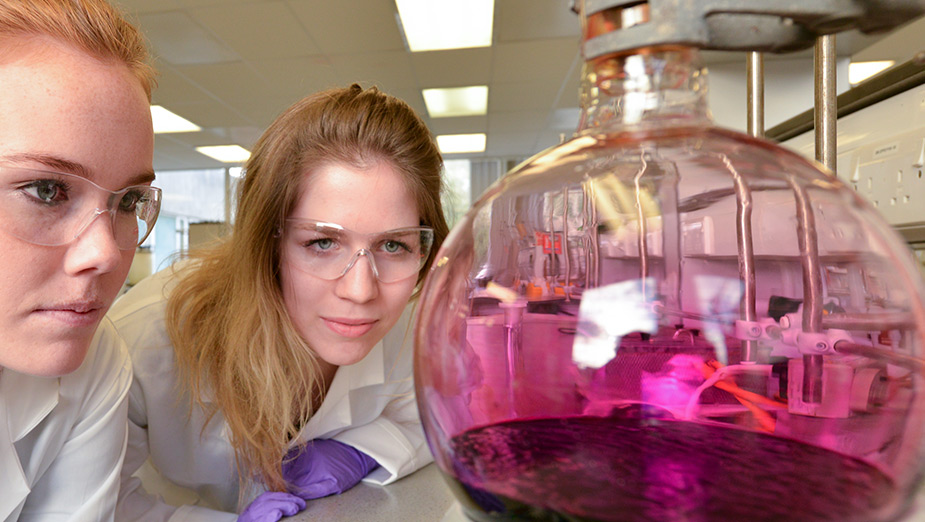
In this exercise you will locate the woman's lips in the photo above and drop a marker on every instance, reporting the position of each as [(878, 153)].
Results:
[(349, 327), (78, 317)]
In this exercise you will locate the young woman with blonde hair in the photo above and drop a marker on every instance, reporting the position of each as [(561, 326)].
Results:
[(280, 359), (76, 150)]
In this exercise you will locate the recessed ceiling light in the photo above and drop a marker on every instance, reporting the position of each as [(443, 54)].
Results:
[(456, 101), (431, 25), (226, 153), (166, 121), (459, 143), (860, 71)]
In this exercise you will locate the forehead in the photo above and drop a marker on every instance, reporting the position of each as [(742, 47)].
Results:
[(365, 200), (59, 102)]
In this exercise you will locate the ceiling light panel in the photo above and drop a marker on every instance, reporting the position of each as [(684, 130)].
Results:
[(166, 122), (860, 71), (456, 101), (461, 143), (433, 25), (226, 153)]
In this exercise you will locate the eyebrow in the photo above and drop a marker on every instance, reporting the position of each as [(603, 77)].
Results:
[(71, 167)]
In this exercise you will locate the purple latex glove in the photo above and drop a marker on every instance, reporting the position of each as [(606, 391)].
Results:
[(272, 506), (325, 467)]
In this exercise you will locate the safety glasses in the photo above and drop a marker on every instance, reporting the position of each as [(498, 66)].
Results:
[(328, 250), (54, 208)]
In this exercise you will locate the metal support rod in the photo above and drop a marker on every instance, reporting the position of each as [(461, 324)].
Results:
[(565, 248), (513, 344), (812, 289), (746, 255), (592, 264), (642, 229), (812, 379), (825, 101), (869, 321), (881, 355), (754, 68)]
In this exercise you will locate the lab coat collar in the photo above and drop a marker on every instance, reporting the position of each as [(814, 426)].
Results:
[(24, 401), (337, 410)]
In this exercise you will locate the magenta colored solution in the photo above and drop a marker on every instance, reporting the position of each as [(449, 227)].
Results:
[(606, 469)]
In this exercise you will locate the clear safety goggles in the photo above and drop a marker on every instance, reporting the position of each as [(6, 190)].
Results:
[(328, 250), (54, 208)]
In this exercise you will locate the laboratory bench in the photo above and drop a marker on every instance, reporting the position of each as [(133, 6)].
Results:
[(422, 496)]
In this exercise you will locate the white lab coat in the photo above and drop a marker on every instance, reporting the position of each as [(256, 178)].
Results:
[(370, 406), (62, 439)]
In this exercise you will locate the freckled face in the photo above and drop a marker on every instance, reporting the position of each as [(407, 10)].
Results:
[(343, 319), (59, 105)]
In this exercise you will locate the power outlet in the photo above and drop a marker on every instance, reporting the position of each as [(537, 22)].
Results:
[(889, 174)]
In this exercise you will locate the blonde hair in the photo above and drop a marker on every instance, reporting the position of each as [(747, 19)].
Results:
[(93, 26), (226, 318)]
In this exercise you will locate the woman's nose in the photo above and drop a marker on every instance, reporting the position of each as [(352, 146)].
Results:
[(359, 283), (95, 247)]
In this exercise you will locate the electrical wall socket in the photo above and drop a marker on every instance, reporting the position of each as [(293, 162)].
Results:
[(889, 174), (881, 151)]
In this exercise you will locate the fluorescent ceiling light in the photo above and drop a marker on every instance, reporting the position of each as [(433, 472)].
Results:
[(458, 143), (860, 71), (432, 25), (456, 101), (166, 121), (226, 153)]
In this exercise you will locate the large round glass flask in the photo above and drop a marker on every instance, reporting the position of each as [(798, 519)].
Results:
[(663, 320)]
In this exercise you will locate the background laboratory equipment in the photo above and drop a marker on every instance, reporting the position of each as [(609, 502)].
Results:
[(663, 320)]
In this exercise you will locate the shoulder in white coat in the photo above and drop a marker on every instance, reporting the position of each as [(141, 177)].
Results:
[(65, 431)]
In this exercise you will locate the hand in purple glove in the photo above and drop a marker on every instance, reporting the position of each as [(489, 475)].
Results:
[(325, 467), (272, 506)]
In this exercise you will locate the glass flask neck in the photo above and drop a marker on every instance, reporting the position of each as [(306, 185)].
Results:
[(663, 86)]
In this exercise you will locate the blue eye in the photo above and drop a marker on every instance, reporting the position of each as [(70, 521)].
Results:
[(324, 244), (393, 247), (47, 191)]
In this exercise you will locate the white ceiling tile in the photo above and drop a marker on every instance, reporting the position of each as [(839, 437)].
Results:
[(390, 69), (297, 77), (147, 6), (460, 125), (173, 152), (349, 27), (210, 114), (271, 30), (518, 20), (521, 96), (174, 88), (534, 60), (230, 82), (517, 121), (511, 143), (179, 40), (455, 68)]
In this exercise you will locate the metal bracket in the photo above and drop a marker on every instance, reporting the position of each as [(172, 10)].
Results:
[(775, 26)]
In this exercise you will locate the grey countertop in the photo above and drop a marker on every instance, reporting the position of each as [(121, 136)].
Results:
[(422, 496)]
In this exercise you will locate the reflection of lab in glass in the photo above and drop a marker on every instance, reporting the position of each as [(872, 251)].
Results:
[(701, 324)]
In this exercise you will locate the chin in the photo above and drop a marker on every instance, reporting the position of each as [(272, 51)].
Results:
[(52, 360), (350, 355)]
